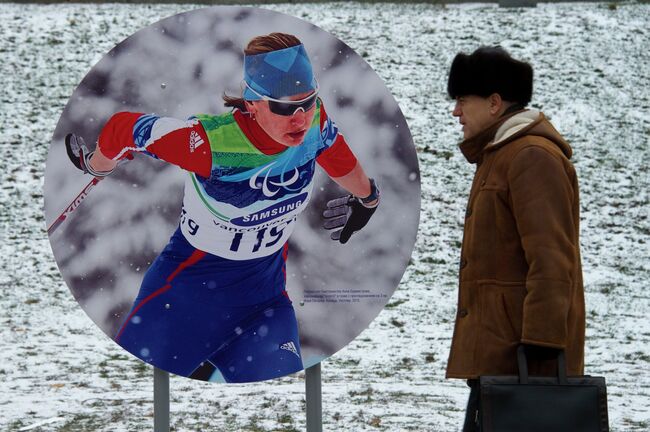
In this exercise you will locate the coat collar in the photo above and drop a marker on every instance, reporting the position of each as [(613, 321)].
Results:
[(510, 128), (514, 124), (474, 147)]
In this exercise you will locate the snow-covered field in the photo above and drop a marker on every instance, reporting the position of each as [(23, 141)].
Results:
[(57, 369)]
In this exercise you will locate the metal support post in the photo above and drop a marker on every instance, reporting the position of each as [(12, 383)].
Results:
[(313, 397), (160, 400)]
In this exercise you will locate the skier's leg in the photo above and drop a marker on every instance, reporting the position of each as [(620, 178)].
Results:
[(161, 326), (267, 347)]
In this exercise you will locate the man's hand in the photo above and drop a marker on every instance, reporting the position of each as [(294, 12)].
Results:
[(536, 352), (349, 214)]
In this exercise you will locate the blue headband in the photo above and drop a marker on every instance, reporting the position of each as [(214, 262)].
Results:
[(275, 74)]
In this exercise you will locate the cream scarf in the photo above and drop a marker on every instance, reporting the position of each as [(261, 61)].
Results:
[(514, 124)]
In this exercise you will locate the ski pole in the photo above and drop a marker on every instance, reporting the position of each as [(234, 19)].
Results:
[(78, 154), (73, 205)]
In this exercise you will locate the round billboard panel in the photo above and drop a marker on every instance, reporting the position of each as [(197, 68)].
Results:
[(236, 236)]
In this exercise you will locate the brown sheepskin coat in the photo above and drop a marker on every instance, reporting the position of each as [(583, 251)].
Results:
[(520, 272)]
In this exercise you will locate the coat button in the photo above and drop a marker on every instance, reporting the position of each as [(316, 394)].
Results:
[(462, 313), (468, 212), (483, 183), (463, 263)]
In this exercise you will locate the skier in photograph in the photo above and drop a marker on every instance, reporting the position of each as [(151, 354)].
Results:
[(215, 297)]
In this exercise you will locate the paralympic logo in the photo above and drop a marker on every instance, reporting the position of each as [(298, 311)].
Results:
[(264, 185)]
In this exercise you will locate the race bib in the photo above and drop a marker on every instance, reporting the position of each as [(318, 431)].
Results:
[(240, 233)]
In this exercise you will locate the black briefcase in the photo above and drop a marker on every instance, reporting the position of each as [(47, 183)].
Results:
[(542, 404)]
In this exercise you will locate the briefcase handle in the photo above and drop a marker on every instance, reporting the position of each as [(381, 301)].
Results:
[(522, 362)]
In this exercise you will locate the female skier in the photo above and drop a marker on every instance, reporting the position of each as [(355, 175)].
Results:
[(216, 295)]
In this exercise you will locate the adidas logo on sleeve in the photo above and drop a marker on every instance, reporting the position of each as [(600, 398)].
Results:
[(195, 141)]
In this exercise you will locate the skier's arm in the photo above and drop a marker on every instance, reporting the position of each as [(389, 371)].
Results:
[(339, 162), (182, 143), (356, 182), (348, 214)]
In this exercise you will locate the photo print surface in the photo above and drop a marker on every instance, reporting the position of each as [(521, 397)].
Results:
[(226, 273)]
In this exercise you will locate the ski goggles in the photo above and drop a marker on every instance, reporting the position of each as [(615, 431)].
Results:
[(285, 107)]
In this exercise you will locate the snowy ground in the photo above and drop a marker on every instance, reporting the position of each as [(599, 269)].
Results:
[(59, 370)]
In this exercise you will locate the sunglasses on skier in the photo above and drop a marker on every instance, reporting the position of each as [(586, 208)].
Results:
[(288, 107)]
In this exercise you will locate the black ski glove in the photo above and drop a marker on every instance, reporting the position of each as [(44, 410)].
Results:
[(349, 213)]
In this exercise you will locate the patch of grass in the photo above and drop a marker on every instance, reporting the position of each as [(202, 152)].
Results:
[(384, 373), (118, 415), (289, 428), (269, 403), (253, 425), (407, 363), (231, 422), (284, 418), (395, 303), (433, 260), (350, 362), (367, 393), (286, 421), (638, 355), (81, 423), (15, 425), (375, 422), (642, 425), (117, 357), (141, 368), (401, 395), (607, 289)]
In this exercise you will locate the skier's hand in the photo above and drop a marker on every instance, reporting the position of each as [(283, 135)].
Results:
[(89, 161), (349, 214)]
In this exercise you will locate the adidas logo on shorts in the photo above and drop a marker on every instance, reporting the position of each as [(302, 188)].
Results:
[(290, 346)]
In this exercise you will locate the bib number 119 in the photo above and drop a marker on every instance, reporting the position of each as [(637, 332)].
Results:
[(265, 237)]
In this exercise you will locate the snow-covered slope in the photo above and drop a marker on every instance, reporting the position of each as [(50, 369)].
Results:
[(592, 68)]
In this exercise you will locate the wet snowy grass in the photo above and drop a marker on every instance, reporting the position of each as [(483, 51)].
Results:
[(58, 370)]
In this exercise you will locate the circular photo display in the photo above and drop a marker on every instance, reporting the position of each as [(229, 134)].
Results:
[(232, 194)]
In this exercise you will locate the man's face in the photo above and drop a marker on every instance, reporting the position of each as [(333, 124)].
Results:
[(474, 114), (287, 130)]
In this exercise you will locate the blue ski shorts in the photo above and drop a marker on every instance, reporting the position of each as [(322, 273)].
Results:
[(195, 310)]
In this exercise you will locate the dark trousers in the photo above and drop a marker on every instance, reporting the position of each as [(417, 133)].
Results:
[(471, 413)]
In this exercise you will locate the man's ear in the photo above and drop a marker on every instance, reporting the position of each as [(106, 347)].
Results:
[(496, 104), (249, 107)]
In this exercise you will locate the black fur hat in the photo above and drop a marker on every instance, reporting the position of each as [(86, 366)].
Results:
[(491, 70)]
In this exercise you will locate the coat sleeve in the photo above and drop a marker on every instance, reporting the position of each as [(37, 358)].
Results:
[(542, 195), (180, 142)]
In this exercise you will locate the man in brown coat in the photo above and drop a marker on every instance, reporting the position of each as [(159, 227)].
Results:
[(520, 272)]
